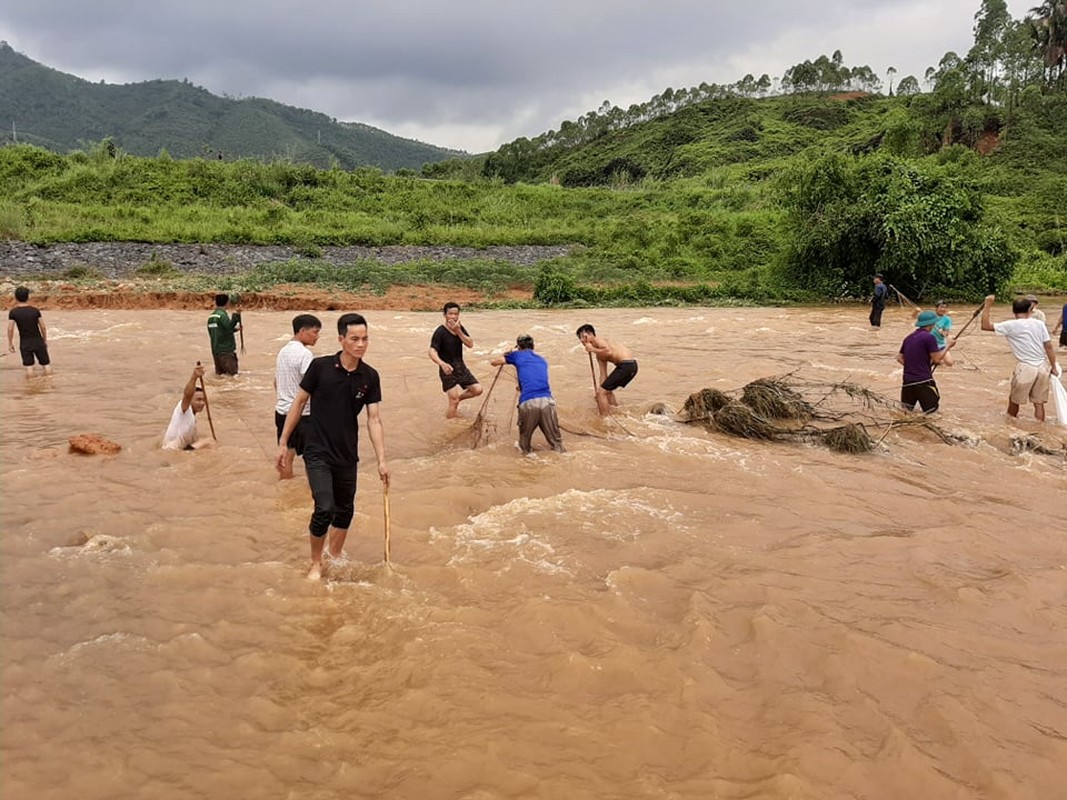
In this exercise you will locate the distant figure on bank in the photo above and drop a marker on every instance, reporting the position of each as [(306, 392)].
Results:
[(181, 433), (1031, 345), (537, 408), (1061, 326), (607, 352), (919, 352), (446, 351), (221, 327), (941, 332), (881, 294), (33, 334), (340, 386), (289, 368), (1035, 312)]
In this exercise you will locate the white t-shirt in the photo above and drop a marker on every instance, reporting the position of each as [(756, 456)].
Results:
[(292, 363), (1038, 314), (182, 429), (1026, 338)]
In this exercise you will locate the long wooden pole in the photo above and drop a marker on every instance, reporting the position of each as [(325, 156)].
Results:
[(388, 536), (207, 407)]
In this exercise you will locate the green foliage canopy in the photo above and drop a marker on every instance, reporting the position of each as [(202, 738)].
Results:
[(919, 223)]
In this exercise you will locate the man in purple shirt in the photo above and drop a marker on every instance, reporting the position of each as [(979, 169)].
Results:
[(919, 353)]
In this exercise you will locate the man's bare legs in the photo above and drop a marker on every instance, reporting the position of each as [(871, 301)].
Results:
[(316, 557), (458, 394), (1039, 410), (335, 548)]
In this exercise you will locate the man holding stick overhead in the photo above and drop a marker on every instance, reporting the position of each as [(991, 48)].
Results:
[(181, 432), (340, 386)]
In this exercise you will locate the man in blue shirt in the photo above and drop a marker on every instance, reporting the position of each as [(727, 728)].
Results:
[(537, 408)]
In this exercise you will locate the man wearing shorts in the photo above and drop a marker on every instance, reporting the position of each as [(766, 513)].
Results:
[(33, 334), (289, 369), (1031, 345), (341, 386), (446, 351), (220, 328), (607, 352), (918, 354), (537, 407)]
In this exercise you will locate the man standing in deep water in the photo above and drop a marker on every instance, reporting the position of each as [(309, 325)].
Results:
[(341, 386)]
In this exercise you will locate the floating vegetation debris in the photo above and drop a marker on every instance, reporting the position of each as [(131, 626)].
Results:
[(740, 420), (849, 438), (773, 398), (702, 405)]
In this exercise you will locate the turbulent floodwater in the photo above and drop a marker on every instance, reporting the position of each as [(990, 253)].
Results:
[(660, 612)]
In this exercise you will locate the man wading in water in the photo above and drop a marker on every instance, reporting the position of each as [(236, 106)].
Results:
[(446, 351), (918, 353), (339, 386), (606, 353)]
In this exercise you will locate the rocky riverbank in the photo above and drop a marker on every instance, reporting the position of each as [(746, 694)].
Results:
[(122, 259)]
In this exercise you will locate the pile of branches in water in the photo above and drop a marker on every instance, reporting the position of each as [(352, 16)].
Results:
[(784, 408)]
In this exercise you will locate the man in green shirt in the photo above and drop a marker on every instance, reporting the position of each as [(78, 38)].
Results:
[(221, 327)]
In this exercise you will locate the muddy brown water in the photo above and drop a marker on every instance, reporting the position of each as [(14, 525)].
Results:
[(660, 612)]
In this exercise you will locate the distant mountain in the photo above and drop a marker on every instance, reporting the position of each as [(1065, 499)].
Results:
[(62, 112)]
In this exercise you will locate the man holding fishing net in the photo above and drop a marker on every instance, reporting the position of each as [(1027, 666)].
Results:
[(446, 351), (1031, 345), (537, 408), (919, 352)]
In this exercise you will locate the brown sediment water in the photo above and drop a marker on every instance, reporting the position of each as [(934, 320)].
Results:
[(672, 613)]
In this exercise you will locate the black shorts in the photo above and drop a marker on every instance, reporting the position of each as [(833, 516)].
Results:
[(32, 349), (1063, 336), (296, 438), (225, 363), (620, 376), (461, 376), (925, 394)]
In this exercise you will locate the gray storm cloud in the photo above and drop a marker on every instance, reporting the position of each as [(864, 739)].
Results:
[(489, 71)]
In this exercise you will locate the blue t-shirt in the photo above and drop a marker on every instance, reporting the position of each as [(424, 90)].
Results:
[(941, 327), (533, 374), (916, 348)]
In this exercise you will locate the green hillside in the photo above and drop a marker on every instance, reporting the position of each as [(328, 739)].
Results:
[(698, 195), (63, 113)]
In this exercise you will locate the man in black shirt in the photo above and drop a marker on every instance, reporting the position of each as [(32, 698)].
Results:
[(341, 386), (446, 351), (33, 334)]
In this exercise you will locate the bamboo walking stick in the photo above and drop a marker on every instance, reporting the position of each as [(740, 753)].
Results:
[(207, 407), (385, 511)]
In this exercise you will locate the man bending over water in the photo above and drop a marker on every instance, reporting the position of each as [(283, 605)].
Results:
[(608, 352), (340, 386)]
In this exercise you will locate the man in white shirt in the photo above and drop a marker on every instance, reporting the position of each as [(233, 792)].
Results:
[(289, 369), (1031, 345), (181, 433)]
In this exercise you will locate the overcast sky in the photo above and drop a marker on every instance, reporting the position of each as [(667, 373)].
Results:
[(473, 74)]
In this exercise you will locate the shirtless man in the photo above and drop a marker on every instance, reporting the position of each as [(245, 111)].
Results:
[(607, 352)]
